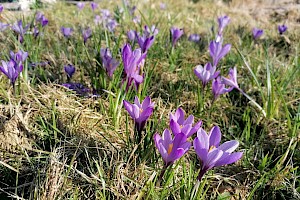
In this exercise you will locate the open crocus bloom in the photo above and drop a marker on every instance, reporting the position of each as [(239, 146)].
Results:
[(211, 153), (180, 125), (170, 148), (232, 80), (140, 113), (206, 73)]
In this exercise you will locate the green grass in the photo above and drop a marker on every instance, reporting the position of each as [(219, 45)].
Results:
[(55, 144)]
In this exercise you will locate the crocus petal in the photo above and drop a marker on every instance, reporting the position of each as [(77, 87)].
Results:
[(128, 107), (175, 127), (167, 138), (137, 102), (186, 129), (189, 120), (212, 158), (146, 102), (179, 114), (200, 151), (229, 158), (229, 146), (203, 138), (160, 146), (214, 136), (195, 128)]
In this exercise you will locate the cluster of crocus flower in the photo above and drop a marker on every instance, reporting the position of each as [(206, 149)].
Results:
[(40, 18), (18, 28), (107, 20), (133, 62), (14, 66), (41, 21), (172, 148), (209, 71), (139, 112), (144, 40), (109, 64), (173, 145)]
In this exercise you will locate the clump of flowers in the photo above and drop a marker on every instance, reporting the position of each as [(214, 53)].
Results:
[(20, 30), (14, 66), (133, 61), (172, 148), (108, 62), (146, 39)]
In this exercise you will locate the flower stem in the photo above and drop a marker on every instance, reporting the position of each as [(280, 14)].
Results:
[(163, 171)]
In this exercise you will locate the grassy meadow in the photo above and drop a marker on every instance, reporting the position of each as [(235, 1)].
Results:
[(73, 135)]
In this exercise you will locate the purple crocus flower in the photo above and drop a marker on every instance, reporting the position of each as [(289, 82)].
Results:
[(105, 14), (41, 19), (80, 5), (176, 33), (282, 28), (66, 31), (145, 42), (20, 30), (139, 112), (3, 26), (19, 57), (223, 22), (218, 88), (217, 51), (179, 124), (194, 38), (163, 6), (171, 149), (79, 88), (86, 34), (12, 70), (132, 61), (131, 34), (206, 73), (1, 8), (97, 19), (36, 32), (136, 20), (94, 6), (150, 31), (211, 153), (70, 70), (232, 80), (257, 33), (111, 25), (109, 63)]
